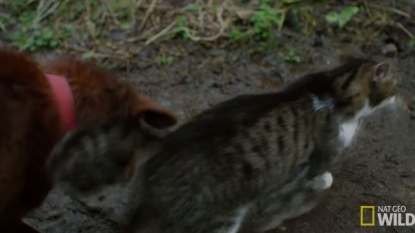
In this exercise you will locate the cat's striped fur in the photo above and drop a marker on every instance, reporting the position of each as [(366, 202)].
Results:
[(248, 163)]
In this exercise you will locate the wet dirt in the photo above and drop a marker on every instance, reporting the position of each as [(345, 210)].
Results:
[(379, 169)]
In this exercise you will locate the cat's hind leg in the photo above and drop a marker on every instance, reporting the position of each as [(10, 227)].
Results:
[(310, 196), (295, 199)]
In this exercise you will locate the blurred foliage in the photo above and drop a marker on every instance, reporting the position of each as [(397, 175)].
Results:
[(121, 29)]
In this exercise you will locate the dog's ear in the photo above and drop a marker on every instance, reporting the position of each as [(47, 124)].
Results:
[(94, 156), (16, 67), (153, 113)]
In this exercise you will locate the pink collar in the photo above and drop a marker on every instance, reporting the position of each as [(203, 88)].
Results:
[(65, 101)]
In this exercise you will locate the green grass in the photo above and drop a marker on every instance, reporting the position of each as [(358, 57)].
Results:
[(343, 17), (164, 61), (290, 56), (33, 25), (266, 19)]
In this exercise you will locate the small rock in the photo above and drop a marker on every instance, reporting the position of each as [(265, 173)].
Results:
[(146, 54), (389, 49), (117, 35), (244, 14), (217, 52), (186, 80)]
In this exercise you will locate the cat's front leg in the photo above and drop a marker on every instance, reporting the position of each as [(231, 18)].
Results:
[(324, 157), (327, 151)]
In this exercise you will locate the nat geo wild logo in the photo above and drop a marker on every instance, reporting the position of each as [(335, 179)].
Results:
[(371, 216)]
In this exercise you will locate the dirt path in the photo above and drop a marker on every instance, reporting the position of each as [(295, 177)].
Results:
[(379, 169)]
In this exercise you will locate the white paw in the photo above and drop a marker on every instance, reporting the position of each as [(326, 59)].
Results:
[(321, 182), (328, 180)]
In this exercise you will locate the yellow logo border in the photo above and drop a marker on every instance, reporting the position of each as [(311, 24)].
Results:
[(369, 224)]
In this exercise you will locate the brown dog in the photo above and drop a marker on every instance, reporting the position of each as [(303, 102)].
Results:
[(40, 105)]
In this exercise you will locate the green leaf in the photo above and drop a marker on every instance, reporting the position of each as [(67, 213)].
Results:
[(185, 36), (346, 14), (332, 17), (169, 60), (30, 42), (67, 31), (105, 65), (39, 42), (48, 34), (181, 20), (235, 34), (290, 1), (265, 2), (68, 27), (125, 26), (53, 43), (193, 7), (164, 60), (349, 11), (37, 33), (118, 4)]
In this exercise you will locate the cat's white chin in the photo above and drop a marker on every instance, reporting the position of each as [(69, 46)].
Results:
[(365, 111), (368, 110), (349, 129)]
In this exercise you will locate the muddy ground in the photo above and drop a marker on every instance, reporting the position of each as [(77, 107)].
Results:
[(378, 170)]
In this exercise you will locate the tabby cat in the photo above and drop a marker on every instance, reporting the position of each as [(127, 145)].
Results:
[(244, 165)]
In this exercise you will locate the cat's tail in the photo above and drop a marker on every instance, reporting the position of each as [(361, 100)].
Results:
[(93, 157)]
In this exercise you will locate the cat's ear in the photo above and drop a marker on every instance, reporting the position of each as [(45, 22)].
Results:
[(381, 71), (153, 113)]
